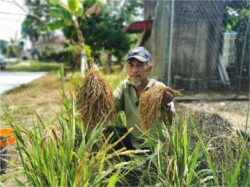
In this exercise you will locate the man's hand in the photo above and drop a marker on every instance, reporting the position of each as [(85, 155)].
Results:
[(168, 96)]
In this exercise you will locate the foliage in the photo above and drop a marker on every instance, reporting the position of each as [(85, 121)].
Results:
[(236, 18), (14, 47), (74, 50), (105, 32), (61, 153), (35, 22), (71, 15), (236, 15), (128, 10), (176, 159), (64, 154), (3, 46), (102, 32)]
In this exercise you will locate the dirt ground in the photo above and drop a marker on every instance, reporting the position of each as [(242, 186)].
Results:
[(43, 97)]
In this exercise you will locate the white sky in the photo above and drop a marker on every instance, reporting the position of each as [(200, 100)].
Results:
[(11, 17)]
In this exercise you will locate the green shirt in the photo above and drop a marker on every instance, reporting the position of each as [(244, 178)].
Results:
[(127, 101)]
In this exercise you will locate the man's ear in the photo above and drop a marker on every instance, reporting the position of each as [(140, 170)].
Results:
[(150, 67)]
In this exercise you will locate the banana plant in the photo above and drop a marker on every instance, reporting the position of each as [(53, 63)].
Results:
[(70, 14)]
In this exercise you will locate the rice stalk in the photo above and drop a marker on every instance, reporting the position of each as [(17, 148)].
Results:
[(95, 100), (151, 101)]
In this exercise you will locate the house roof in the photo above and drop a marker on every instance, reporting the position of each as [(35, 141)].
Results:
[(139, 26)]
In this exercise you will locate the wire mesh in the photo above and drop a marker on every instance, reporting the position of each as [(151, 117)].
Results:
[(203, 47), (197, 35)]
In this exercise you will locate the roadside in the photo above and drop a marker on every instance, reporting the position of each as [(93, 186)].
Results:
[(10, 80), (41, 97)]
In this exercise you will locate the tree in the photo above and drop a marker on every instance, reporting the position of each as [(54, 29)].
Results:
[(3, 46), (237, 18), (71, 15), (36, 20), (105, 32)]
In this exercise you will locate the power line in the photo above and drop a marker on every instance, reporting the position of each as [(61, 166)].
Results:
[(8, 1), (8, 19), (10, 13)]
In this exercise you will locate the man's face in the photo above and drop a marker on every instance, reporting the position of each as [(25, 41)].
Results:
[(137, 71)]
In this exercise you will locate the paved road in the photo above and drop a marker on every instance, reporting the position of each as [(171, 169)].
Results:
[(10, 80)]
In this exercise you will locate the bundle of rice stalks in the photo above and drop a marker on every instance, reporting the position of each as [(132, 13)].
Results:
[(151, 101), (95, 100)]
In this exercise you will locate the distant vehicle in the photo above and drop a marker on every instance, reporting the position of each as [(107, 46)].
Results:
[(2, 62)]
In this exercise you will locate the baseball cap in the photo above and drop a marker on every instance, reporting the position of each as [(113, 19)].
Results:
[(140, 53)]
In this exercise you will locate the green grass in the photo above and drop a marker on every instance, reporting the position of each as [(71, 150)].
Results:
[(34, 66), (65, 155), (56, 156), (62, 153)]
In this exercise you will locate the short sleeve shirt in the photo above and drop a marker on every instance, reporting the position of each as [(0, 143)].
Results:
[(128, 101)]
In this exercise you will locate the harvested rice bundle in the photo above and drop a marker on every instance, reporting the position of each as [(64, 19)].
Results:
[(95, 100), (151, 101)]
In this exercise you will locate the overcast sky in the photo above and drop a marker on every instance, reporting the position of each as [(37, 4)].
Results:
[(11, 17)]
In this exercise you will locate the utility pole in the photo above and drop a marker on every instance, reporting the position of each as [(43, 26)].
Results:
[(171, 43)]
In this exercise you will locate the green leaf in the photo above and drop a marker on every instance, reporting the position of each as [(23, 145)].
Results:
[(55, 25), (113, 179), (228, 27), (193, 163), (60, 12), (237, 170), (73, 5), (80, 12), (53, 2), (60, 73)]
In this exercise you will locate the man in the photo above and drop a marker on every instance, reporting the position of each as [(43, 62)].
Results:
[(127, 94)]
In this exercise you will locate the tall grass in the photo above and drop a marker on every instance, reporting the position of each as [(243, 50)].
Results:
[(55, 155), (178, 159), (64, 154)]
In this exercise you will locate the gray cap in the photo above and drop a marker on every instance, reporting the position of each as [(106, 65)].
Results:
[(140, 53)]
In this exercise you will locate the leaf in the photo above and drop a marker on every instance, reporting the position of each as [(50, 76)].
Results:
[(237, 170), (113, 179), (73, 5), (60, 73), (61, 12), (228, 27), (55, 25), (80, 12), (53, 2)]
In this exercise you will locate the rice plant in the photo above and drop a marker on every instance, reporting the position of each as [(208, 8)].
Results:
[(52, 155), (65, 153), (180, 157)]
